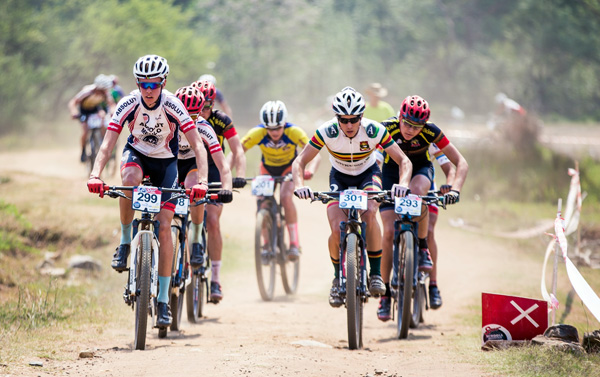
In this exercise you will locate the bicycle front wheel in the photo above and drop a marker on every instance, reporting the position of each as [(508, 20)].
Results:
[(290, 271), (142, 300), (404, 293), (264, 254), (419, 302), (354, 303), (177, 287)]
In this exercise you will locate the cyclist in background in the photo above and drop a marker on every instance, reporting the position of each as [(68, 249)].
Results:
[(414, 134), (193, 100), (376, 108), (351, 141), (220, 98), (225, 130), (117, 92), (92, 99), (280, 142), (153, 116)]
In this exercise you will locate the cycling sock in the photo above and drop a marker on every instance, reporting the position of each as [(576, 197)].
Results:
[(163, 289), (422, 243), (387, 293), (293, 231), (195, 233), (126, 234), (215, 268), (375, 262), (336, 267), (433, 283)]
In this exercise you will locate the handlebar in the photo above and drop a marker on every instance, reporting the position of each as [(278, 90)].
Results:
[(379, 196), (277, 178), (117, 191)]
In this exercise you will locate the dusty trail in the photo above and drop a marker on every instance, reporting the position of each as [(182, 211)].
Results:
[(299, 335)]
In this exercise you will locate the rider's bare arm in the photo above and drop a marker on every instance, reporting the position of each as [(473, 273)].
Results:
[(462, 167), (224, 170), (108, 144), (403, 162), (238, 156), (308, 154), (201, 158)]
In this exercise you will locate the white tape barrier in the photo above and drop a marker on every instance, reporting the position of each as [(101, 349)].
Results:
[(549, 297), (573, 207)]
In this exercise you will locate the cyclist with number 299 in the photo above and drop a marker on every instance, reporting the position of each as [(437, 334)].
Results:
[(352, 141), (154, 117), (414, 134)]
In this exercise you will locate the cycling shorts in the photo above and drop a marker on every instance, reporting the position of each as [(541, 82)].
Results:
[(162, 171), (184, 167), (392, 176), (275, 171), (369, 180)]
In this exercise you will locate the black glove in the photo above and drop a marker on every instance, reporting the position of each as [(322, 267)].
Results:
[(239, 182), (445, 188), (452, 197), (225, 196)]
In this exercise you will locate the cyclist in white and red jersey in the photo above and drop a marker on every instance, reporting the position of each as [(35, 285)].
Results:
[(351, 141), (154, 117), (92, 99), (193, 100), (225, 130), (414, 134)]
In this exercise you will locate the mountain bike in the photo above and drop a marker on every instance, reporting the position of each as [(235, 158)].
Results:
[(94, 124), (353, 282), (408, 285), (270, 241), (198, 290), (142, 282)]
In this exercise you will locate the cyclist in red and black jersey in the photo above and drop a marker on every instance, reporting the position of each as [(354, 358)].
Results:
[(225, 130), (414, 134)]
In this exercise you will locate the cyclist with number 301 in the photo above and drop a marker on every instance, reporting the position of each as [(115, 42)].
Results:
[(154, 117), (414, 134), (352, 141)]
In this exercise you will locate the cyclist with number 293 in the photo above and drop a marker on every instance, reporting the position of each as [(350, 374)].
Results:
[(154, 117), (352, 141), (414, 134)]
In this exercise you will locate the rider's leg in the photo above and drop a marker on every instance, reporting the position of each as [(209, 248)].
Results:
[(420, 185), (165, 259), (388, 217), (196, 217), (435, 298), (335, 216), (291, 219), (215, 242), (84, 136)]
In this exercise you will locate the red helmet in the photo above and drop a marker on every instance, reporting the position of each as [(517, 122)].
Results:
[(192, 99), (207, 88), (415, 109)]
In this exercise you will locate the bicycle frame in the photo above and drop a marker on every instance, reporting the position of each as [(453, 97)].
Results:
[(353, 225), (150, 227)]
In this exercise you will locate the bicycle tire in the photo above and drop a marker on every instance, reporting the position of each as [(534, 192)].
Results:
[(354, 303), (197, 291), (419, 300), (142, 300), (265, 264), (176, 291), (404, 293), (290, 270)]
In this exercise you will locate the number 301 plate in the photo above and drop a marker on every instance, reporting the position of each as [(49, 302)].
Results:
[(263, 185), (353, 199), (146, 198), (408, 205)]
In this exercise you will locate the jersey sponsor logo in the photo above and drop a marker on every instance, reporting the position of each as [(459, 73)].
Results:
[(207, 135), (364, 145), (277, 145), (414, 143), (332, 131), (372, 131), (151, 132), (174, 107), (428, 131), (124, 105)]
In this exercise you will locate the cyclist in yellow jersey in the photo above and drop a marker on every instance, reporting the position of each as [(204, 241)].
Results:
[(280, 142)]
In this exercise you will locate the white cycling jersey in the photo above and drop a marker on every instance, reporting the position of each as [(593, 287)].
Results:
[(208, 135), (153, 131), (354, 155)]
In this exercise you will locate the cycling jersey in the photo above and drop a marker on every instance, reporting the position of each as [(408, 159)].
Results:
[(208, 136), (354, 155), (279, 153), (417, 149), (91, 100), (223, 127), (153, 131)]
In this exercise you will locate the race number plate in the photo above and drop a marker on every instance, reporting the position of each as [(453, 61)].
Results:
[(94, 121), (353, 199), (181, 208), (263, 185), (146, 198), (408, 205)]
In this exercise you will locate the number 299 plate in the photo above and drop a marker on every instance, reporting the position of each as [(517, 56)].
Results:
[(146, 198)]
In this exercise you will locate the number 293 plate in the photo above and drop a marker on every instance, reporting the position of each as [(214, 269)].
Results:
[(408, 205)]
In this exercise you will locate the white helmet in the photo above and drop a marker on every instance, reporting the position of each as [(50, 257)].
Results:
[(348, 102), (103, 82), (208, 77), (500, 97), (151, 66), (273, 114)]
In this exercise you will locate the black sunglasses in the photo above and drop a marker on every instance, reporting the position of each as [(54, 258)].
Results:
[(349, 120)]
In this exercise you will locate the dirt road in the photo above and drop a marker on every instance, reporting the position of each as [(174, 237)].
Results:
[(299, 335)]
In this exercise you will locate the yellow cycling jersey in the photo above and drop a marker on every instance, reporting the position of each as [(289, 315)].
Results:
[(280, 153)]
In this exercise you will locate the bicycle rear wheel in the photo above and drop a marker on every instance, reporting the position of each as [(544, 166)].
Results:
[(404, 293), (265, 257), (142, 300), (197, 291), (290, 271), (354, 303), (177, 288)]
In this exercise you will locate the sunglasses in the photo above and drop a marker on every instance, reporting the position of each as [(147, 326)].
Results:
[(150, 85), (349, 120), (414, 126), (207, 105)]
